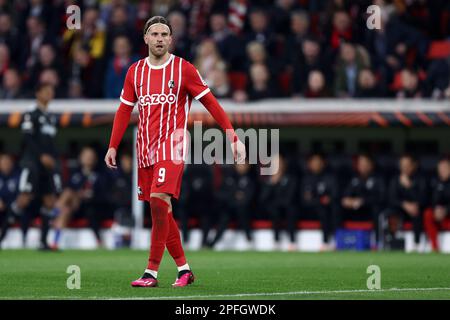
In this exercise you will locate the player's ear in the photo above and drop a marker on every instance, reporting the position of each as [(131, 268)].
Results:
[(146, 38)]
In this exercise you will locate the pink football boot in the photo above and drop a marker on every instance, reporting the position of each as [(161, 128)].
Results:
[(186, 279), (145, 282)]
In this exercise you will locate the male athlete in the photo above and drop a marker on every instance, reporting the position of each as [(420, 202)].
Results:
[(39, 179), (163, 86)]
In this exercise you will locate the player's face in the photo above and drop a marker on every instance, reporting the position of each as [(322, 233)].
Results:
[(46, 94), (158, 39)]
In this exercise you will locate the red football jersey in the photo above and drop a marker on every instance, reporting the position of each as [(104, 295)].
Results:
[(164, 95)]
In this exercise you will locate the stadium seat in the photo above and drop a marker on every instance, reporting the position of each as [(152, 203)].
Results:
[(238, 80), (439, 50)]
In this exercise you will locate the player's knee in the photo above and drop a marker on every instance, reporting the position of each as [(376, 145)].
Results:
[(159, 207)]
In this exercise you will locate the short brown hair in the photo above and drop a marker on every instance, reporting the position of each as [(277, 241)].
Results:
[(157, 19)]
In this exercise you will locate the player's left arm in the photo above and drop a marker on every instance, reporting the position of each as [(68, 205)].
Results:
[(198, 88)]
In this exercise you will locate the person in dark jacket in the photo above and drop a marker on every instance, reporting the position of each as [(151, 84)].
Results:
[(318, 191), (9, 185), (235, 196), (363, 197), (440, 202), (276, 198), (407, 198), (85, 196)]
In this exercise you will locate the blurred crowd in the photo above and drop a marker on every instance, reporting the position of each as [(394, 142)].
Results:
[(245, 49), (331, 189)]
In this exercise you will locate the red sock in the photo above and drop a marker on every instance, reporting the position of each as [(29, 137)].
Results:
[(173, 244), (431, 228), (160, 231)]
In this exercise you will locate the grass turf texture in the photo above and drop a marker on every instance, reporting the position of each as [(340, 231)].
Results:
[(26, 274)]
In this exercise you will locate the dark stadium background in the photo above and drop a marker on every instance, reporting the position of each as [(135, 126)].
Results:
[(340, 88)]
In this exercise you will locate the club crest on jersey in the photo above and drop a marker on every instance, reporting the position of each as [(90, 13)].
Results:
[(171, 84), (156, 99)]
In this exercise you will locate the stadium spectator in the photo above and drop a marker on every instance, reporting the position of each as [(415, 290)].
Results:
[(363, 197), (281, 15), (181, 43), (118, 66), (438, 78), (85, 49), (260, 84), (47, 58), (316, 86), (411, 86), (407, 198), (367, 86), (318, 196), (352, 59), (299, 32), (84, 196), (5, 60), (51, 76), (35, 36), (119, 25), (9, 185), (235, 196), (276, 198), (440, 203), (12, 85), (341, 29), (211, 66), (310, 58), (260, 31), (230, 47), (9, 36)]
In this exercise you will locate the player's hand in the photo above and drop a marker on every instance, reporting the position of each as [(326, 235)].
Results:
[(239, 152), (47, 161), (110, 158)]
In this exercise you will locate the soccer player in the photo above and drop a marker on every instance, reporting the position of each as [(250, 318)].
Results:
[(163, 85), (38, 179)]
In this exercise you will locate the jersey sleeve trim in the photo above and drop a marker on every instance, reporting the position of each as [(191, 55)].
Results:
[(201, 94), (128, 103)]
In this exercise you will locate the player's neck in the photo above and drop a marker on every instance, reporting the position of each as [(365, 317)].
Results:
[(42, 106), (158, 61)]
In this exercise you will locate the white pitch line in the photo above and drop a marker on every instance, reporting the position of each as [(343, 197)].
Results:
[(239, 295), (258, 294)]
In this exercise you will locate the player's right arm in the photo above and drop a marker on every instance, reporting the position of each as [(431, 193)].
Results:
[(122, 117)]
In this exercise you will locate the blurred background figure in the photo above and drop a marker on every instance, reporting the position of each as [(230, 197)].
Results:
[(9, 186), (121, 201), (235, 196), (200, 195), (84, 197), (276, 198), (363, 197), (317, 197), (407, 199), (440, 202)]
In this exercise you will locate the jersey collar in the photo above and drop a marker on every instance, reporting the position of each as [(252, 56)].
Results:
[(160, 66)]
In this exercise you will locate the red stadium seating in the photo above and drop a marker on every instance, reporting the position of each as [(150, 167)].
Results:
[(439, 50)]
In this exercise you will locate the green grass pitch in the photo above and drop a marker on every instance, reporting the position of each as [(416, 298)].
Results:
[(26, 274)]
